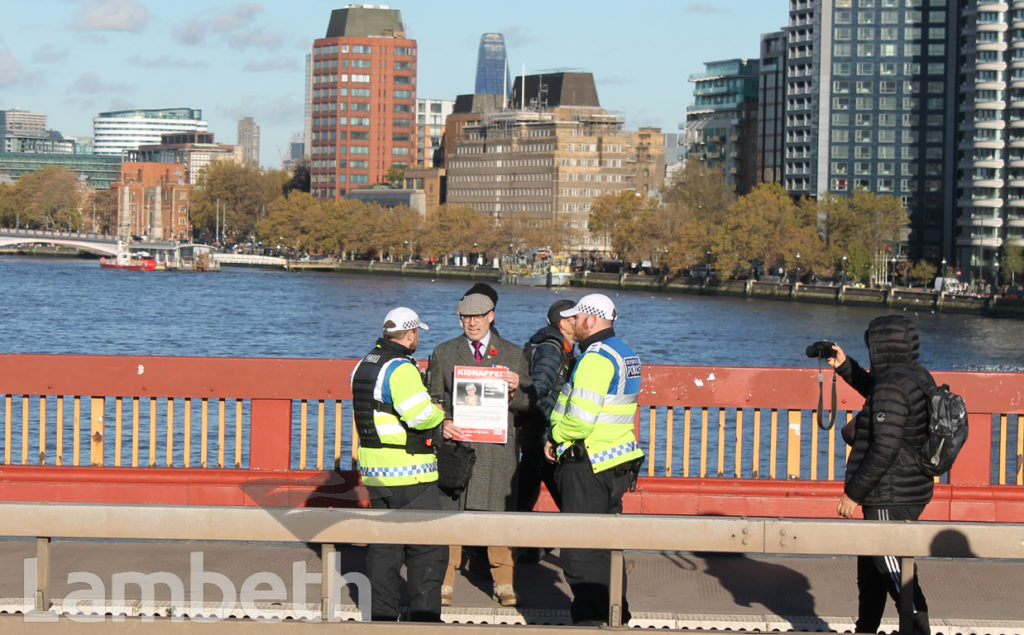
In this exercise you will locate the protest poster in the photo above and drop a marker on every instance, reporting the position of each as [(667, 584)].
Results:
[(480, 397)]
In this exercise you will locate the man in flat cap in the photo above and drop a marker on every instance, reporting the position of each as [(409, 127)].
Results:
[(492, 484)]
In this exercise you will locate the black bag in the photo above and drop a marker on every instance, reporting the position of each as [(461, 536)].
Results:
[(947, 428), (455, 462)]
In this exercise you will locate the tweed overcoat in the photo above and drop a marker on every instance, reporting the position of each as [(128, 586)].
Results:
[(492, 486)]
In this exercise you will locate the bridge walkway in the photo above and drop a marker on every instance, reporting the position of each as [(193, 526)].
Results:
[(674, 590)]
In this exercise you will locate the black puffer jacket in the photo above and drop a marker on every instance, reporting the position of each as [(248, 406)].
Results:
[(882, 468), (550, 367)]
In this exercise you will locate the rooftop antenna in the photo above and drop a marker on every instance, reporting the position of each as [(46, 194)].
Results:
[(522, 93)]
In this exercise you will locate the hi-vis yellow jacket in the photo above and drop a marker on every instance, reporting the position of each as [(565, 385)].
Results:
[(599, 402)]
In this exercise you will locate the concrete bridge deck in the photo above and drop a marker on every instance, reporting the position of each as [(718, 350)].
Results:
[(674, 590)]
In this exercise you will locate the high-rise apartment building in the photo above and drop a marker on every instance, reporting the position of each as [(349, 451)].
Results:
[(363, 100), (870, 88), (430, 117), (721, 126), (118, 132), (492, 77), (990, 141), (771, 108), (548, 162), (249, 141)]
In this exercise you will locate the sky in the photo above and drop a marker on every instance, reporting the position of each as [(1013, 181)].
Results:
[(72, 59)]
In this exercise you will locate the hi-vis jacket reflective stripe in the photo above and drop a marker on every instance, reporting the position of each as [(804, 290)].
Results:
[(598, 404), (389, 401)]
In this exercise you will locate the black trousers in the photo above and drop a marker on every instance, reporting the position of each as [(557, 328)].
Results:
[(425, 563), (534, 469), (588, 570), (878, 576)]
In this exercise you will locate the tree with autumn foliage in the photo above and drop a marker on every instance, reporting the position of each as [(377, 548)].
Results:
[(241, 194), (46, 199)]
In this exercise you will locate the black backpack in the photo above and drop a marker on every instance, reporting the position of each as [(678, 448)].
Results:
[(947, 427)]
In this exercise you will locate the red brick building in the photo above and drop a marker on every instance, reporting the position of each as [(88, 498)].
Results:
[(152, 201), (362, 100)]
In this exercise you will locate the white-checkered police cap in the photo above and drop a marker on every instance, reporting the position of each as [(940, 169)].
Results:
[(594, 304), (402, 319)]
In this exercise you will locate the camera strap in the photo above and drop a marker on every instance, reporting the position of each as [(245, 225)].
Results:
[(821, 390)]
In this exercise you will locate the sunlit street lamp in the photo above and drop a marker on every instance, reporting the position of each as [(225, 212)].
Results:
[(797, 268), (844, 270)]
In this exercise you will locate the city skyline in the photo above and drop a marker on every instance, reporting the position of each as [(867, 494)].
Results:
[(72, 61)]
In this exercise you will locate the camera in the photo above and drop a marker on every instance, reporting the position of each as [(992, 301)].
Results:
[(821, 350)]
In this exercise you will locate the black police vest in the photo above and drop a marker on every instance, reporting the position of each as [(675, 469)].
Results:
[(364, 404)]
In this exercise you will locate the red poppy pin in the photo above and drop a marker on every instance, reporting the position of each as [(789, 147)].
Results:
[(492, 352)]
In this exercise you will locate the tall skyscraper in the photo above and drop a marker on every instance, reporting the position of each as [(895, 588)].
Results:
[(871, 91), (363, 98), (721, 127), (492, 77), (121, 131), (990, 153), (249, 141), (771, 108)]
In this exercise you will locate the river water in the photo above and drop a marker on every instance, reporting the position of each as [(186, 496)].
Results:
[(74, 306)]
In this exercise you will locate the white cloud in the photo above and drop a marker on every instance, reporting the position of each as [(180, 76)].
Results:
[(273, 64), (517, 36), (237, 17), (191, 32), (704, 7), (111, 15), (165, 62), (236, 22), (11, 70), (91, 84), (49, 53), (268, 112), (257, 39)]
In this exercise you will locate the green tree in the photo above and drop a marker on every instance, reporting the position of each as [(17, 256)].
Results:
[(48, 199), (242, 195), (293, 222), (1013, 262), (767, 227), (923, 272), (691, 222), (298, 179), (880, 224), (395, 176), (452, 229), (627, 219)]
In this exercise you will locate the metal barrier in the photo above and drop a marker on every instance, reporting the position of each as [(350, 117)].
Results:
[(718, 440), (615, 533)]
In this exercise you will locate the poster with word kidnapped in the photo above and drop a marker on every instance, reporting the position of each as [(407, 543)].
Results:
[(480, 403)]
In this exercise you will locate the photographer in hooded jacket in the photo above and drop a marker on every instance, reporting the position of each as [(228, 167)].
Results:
[(882, 473)]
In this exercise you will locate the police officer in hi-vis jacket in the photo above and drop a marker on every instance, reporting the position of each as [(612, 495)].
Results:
[(592, 439), (395, 420)]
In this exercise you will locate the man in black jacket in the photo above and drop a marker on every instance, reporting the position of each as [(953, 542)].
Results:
[(882, 475), (550, 366)]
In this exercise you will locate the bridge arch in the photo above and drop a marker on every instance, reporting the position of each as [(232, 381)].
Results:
[(94, 243)]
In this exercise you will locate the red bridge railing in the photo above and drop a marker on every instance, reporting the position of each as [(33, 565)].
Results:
[(239, 431)]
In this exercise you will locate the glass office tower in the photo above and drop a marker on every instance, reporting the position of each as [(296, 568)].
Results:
[(492, 76)]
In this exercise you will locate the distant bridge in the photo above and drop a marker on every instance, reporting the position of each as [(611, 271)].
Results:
[(89, 241)]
